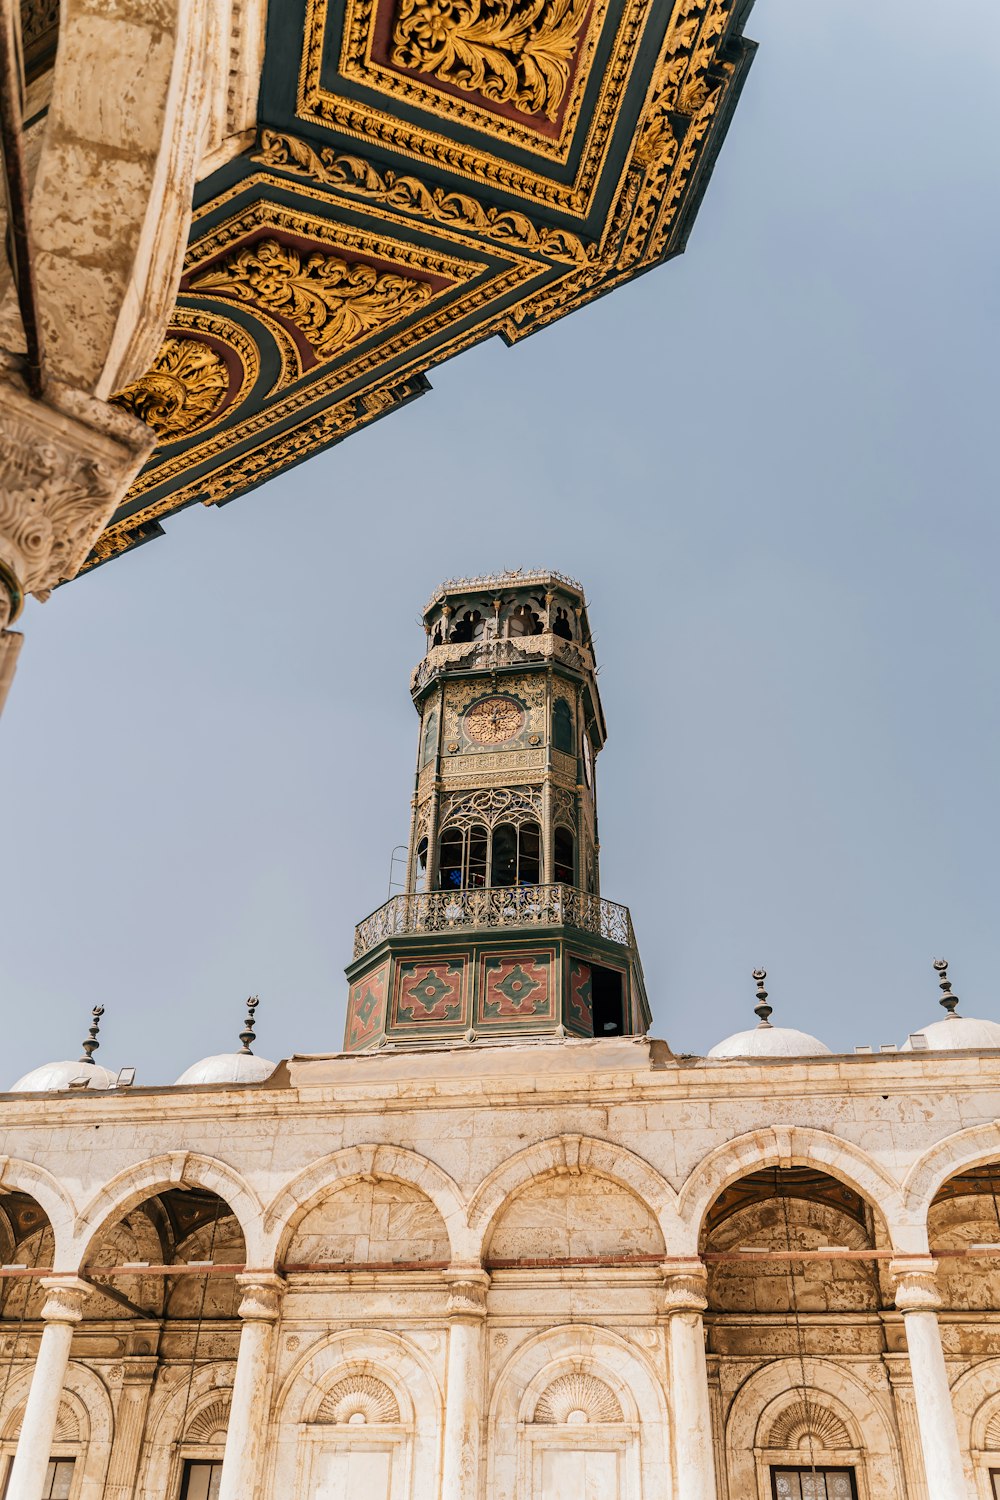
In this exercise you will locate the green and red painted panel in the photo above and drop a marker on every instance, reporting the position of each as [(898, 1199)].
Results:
[(515, 988), (366, 1009), (579, 997), (431, 992)]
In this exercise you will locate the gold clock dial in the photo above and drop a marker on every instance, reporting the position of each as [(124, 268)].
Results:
[(494, 720)]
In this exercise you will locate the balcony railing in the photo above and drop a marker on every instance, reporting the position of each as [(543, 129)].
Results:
[(496, 906)]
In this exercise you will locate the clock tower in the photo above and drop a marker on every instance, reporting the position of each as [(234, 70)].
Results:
[(502, 931)]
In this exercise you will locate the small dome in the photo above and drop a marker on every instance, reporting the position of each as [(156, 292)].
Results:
[(60, 1075), (955, 1033), (770, 1041), (229, 1067)]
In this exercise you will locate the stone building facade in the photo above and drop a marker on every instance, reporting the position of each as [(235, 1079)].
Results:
[(507, 1245)]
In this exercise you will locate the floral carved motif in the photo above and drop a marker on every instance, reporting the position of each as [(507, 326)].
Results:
[(185, 387), (333, 302), (517, 52)]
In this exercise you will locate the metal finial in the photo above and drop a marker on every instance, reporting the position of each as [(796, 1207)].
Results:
[(948, 1000), (91, 1045), (248, 1035), (762, 1009)]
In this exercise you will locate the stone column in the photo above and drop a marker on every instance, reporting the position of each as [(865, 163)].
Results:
[(901, 1384), (918, 1300), (463, 1416), (684, 1302), (248, 1416), (63, 1308), (130, 1426)]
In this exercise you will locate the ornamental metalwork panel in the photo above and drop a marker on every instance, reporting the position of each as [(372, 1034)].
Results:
[(496, 907)]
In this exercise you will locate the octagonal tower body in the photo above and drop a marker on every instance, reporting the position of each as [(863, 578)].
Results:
[(502, 931)]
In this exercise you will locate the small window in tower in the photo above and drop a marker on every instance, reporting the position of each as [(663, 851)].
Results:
[(504, 855), (529, 854), (450, 860), (478, 866), (563, 866), (469, 627), (422, 865), (437, 638), (608, 1000), (524, 621), (562, 726), (561, 625), (430, 738)]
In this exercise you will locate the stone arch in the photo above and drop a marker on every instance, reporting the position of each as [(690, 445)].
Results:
[(85, 1411), (573, 1155), (51, 1197), (598, 1369), (160, 1468), (367, 1373), (365, 1163), (955, 1153), (769, 1403), (795, 1147), (976, 1398), (143, 1180)]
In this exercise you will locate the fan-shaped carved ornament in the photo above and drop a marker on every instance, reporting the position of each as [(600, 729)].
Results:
[(805, 1422), (67, 1425), (359, 1398), (211, 1423), (578, 1398), (992, 1437)]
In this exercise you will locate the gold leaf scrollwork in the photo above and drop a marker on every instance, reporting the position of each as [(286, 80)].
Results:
[(188, 383), (333, 302), (516, 52)]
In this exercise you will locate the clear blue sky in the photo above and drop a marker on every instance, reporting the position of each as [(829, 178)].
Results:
[(771, 462)]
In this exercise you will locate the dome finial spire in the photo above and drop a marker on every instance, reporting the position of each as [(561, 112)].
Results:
[(91, 1045), (762, 1009), (248, 1035), (948, 1000)]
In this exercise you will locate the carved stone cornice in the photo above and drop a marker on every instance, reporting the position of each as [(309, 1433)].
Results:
[(467, 1288), (263, 1292), (685, 1288), (65, 463), (64, 1298), (914, 1280)]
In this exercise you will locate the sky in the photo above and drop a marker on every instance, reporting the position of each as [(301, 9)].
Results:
[(771, 462)]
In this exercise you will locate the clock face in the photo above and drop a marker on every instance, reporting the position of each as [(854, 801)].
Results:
[(494, 720), (588, 760)]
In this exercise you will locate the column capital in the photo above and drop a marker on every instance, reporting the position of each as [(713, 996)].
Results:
[(685, 1287), (262, 1295), (64, 1298), (914, 1279), (467, 1288)]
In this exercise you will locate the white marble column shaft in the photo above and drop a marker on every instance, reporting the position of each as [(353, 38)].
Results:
[(63, 1308), (248, 1415), (918, 1300), (684, 1303), (463, 1417)]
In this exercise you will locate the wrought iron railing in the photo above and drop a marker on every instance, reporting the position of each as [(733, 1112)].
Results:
[(496, 906)]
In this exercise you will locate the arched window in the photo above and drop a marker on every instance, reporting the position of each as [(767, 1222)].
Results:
[(430, 738), (562, 726), (504, 864), (563, 865), (451, 861), (478, 863), (524, 621), (516, 854), (422, 865), (469, 627), (529, 854), (561, 625)]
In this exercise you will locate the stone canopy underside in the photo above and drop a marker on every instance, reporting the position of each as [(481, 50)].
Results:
[(426, 173)]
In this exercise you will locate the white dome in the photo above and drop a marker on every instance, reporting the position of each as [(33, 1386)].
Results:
[(958, 1032), (229, 1067), (59, 1075), (770, 1041)]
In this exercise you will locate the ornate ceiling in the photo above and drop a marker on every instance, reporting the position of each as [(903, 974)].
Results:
[(427, 173)]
